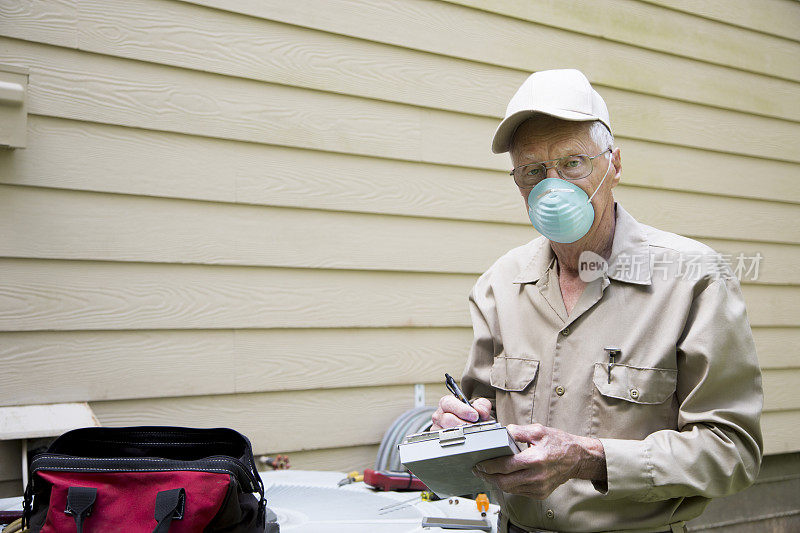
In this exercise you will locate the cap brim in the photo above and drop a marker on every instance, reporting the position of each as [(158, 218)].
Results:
[(505, 131)]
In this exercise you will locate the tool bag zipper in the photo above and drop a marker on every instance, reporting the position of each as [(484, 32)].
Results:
[(212, 463)]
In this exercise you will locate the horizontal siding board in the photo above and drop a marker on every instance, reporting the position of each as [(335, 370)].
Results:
[(782, 389), (644, 117), (780, 431), (104, 227), (115, 365), (332, 459), (773, 306), (775, 266), (72, 84), (666, 30), (777, 347), (194, 362), (47, 21), (774, 17), (498, 40), (77, 295), (265, 417), (69, 295), (201, 362), (352, 358), (683, 168), (696, 214), (121, 160)]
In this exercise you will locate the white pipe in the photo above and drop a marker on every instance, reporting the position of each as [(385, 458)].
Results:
[(24, 464)]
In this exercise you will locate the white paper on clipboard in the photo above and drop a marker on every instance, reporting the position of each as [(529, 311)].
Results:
[(443, 459)]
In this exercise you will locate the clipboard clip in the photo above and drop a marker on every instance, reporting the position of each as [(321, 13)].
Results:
[(452, 436)]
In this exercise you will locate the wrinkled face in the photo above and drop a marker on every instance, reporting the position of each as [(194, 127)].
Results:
[(544, 138)]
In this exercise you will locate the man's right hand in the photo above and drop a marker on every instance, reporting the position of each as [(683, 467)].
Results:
[(453, 412)]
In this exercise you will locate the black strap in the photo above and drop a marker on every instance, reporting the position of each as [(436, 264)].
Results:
[(27, 504), (79, 504), (169, 506)]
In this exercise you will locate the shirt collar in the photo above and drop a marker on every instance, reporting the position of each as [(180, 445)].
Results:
[(629, 261), (540, 262)]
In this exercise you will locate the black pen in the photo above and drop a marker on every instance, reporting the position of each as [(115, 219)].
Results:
[(453, 387)]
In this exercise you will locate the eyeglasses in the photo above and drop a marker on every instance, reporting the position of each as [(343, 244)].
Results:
[(571, 167)]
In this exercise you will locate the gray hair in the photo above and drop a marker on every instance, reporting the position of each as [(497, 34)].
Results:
[(600, 135)]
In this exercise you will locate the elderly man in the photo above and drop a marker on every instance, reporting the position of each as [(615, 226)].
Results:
[(630, 379)]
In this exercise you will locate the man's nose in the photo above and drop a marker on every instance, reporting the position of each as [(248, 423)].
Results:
[(554, 174)]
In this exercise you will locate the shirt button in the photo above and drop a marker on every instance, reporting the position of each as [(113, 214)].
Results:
[(549, 513), (565, 332), (560, 390), (634, 393)]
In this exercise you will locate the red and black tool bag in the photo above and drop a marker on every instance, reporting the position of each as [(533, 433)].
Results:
[(147, 479)]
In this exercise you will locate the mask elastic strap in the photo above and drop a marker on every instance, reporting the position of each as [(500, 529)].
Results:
[(602, 180)]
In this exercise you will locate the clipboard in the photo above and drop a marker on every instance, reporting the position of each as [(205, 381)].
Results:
[(443, 459)]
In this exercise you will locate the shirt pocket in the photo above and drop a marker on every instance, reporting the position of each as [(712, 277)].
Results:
[(637, 402), (514, 378)]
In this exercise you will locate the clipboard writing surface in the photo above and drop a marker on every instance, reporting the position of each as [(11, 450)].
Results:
[(443, 459)]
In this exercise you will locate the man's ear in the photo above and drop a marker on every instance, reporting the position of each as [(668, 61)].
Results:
[(616, 160)]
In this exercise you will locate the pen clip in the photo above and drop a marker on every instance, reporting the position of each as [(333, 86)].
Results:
[(612, 359)]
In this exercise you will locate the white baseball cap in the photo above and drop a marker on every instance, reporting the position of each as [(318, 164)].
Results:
[(562, 93)]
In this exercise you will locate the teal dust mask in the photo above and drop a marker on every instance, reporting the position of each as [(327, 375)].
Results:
[(560, 210)]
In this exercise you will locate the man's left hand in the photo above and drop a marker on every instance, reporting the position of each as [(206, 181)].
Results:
[(554, 456)]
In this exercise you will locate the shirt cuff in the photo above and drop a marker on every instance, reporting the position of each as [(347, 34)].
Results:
[(630, 474)]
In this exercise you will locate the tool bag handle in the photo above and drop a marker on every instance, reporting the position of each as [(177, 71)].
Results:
[(79, 504), (169, 506)]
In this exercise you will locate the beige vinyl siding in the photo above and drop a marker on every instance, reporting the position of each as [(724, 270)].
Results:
[(81, 86), (773, 17), (675, 32), (225, 361), (201, 232), (118, 160), (268, 214)]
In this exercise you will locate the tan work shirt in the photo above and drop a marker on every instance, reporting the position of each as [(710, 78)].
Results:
[(679, 415)]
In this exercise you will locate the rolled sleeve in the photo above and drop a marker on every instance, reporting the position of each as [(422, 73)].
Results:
[(628, 468)]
